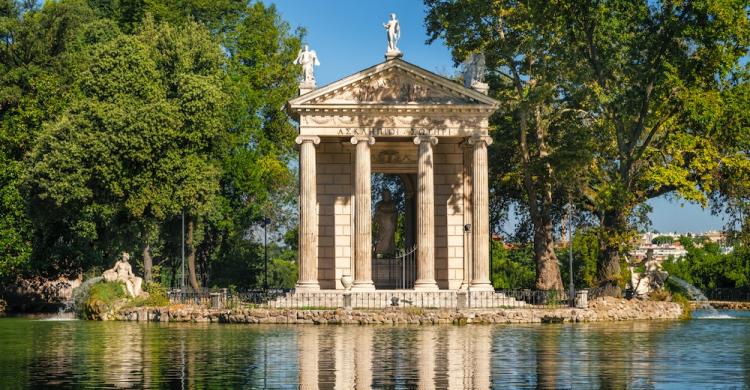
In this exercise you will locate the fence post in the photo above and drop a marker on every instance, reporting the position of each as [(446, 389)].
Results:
[(461, 298), (582, 299)]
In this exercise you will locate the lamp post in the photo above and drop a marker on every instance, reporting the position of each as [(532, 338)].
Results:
[(266, 222), (570, 249), (182, 250)]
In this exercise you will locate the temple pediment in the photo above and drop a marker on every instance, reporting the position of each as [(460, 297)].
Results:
[(393, 83)]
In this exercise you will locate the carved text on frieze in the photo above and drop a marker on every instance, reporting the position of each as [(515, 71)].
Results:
[(396, 131)]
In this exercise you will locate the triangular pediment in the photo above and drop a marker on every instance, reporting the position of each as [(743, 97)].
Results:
[(393, 83)]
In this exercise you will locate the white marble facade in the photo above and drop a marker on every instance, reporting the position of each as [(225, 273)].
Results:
[(396, 118)]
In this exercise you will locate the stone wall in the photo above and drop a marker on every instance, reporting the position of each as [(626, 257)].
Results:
[(603, 309), (722, 305), (449, 213), (335, 211)]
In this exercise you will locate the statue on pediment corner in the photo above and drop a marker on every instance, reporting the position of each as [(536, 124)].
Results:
[(308, 59)]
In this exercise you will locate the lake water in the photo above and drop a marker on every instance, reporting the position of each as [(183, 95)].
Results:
[(700, 353)]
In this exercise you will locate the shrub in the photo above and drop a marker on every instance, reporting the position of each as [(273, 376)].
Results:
[(685, 303), (157, 296), (100, 298)]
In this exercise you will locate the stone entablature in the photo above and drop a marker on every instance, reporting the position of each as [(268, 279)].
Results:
[(394, 118)]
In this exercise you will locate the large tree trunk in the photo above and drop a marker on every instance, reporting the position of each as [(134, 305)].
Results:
[(614, 226), (191, 254), (547, 270), (148, 264)]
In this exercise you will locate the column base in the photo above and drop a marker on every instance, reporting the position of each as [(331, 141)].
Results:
[(426, 285), (364, 285), (307, 286), (481, 286)]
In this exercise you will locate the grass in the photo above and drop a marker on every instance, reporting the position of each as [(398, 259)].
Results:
[(314, 308), (415, 311), (107, 292)]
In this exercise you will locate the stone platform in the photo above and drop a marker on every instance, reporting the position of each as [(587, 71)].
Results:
[(602, 309)]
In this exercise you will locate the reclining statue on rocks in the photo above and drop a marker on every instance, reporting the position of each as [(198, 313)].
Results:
[(123, 272)]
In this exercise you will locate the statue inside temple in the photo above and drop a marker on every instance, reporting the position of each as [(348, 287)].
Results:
[(385, 218)]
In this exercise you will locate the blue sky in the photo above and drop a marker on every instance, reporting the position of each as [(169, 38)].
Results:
[(348, 36)]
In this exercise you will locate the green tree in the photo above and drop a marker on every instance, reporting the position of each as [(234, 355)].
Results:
[(707, 268), (544, 144), (37, 47), (659, 240), (657, 77), (512, 268), (136, 146)]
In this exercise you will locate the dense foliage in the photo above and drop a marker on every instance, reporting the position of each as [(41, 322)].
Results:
[(608, 104), (118, 118), (705, 266)]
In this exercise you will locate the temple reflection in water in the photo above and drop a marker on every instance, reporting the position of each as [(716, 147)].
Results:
[(366, 357)]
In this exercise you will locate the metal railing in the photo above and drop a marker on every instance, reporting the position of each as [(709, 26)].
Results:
[(728, 294), (380, 299)]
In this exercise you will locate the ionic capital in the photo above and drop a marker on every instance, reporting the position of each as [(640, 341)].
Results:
[(307, 138), (478, 140), (425, 138), (360, 138)]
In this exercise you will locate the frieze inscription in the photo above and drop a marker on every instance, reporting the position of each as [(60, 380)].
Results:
[(396, 131)]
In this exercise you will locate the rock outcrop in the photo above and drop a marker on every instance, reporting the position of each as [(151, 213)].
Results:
[(38, 294)]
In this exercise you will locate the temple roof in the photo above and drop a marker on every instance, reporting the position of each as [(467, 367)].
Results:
[(394, 84)]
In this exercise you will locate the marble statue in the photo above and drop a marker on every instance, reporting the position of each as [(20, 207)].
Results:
[(308, 59), (651, 279), (123, 272), (393, 34), (385, 218), (474, 68)]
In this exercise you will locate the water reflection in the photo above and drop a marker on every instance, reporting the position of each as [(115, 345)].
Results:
[(186, 356)]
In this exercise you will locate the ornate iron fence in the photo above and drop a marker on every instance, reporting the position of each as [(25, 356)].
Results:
[(395, 272)]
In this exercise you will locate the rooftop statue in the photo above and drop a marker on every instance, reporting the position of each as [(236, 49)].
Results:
[(474, 68), (393, 34), (307, 58)]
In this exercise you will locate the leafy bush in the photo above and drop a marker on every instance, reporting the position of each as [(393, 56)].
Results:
[(157, 296), (512, 269), (685, 303), (100, 297)]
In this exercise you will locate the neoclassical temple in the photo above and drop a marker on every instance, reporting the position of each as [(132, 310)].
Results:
[(430, 132)]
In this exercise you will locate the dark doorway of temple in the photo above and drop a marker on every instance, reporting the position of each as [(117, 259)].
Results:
[(393, 217)]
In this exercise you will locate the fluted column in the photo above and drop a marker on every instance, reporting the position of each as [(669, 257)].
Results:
[(425, 214), (362, 215), (480, 215), (308, 215)]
